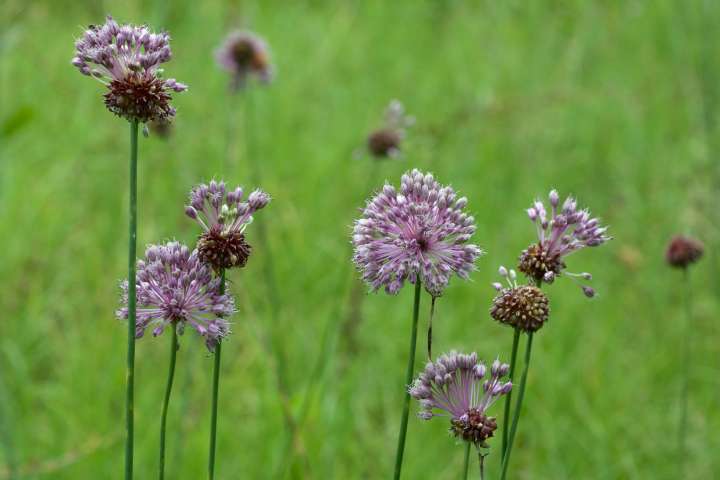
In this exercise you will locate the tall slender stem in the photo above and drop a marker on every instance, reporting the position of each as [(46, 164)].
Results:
[(408, 380), (215, 390), (508, 396), (466, 468), (685, 366), (518, 407), (166, 400), (481, 461), (430, 332), (132, 244)]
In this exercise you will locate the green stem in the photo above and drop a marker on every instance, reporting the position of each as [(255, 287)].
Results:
[(685, 366), (408, 380), (508, 397), (518, 407), (166, 400), (467, 461), (430, 332), (215, 390), (132, 244), (481, 461)]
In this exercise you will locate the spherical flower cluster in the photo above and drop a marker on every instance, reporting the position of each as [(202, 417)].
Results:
[(565, 231), (126, 60), (244, 54), (524, 307), (174, 287), (386, 141), (683, 251), (454, 385), (420, 233), (224, 216)]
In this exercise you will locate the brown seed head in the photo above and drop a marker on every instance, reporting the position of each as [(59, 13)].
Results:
[(475, 427), (223, 250), (139, 97), (535, 263), (683, 251), (525, 307), (384, 142)]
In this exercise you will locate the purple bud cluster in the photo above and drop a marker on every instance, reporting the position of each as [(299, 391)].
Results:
[(174, 287), (420, 233)]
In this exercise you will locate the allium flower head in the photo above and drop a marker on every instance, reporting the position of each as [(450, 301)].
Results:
[(683, 251), (566, 230), (419, 233), (386, 141), (174, 287), (454, 385), (126, 59), (244, 54), (521, 306), (224, 216)]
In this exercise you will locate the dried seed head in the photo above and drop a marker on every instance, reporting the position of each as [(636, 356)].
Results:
[(474, 426), (223, 250), (538, 265), (245, 55), (524, 307), (384, 143), (683, 251)]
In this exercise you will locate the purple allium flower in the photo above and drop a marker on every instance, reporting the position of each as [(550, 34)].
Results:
[(524, 307), (386, 141), (420, 233), (223, 217), (174, 287), (244, 54), (683, 251), (126, 60), (565, 231), (454, 384)]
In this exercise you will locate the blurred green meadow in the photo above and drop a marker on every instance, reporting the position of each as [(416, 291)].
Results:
[(614, 102)]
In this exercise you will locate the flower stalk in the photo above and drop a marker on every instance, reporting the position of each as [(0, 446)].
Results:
[(166, 400), (508, 397), (215, 391), (518, 407), (132, 246), (408, 380)]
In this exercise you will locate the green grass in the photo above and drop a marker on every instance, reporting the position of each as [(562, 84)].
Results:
[(612, 101)]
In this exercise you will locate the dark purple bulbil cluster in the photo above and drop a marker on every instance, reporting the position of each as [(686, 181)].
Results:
[(174, 287), (126, 59), (224, 216), (455, 384), (419, 233), (386, 142), (566, 230), (245, 55)]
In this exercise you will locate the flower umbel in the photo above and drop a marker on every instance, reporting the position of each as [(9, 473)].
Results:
[(224, 216), (174, 286), (683, 251), (386, 141), (244, 54), (421, 232), (521, 306), (454, 384), (126, 60), (565, 231)]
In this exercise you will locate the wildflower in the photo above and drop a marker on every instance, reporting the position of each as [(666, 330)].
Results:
[(224, 218), (683, 251), (418, 234), (521, 306), (454, 384), (244, 54), (126, 59), (174, 287), (386, 141), (567, 230)]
